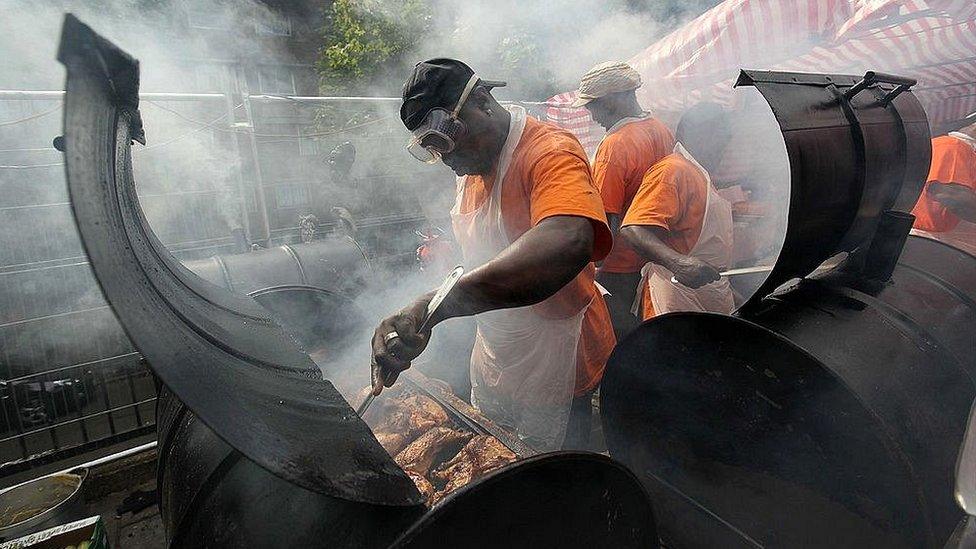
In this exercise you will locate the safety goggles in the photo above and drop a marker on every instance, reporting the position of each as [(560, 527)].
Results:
[(441, 130)]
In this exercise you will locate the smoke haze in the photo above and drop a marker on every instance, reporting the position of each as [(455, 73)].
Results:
[(189, 176)]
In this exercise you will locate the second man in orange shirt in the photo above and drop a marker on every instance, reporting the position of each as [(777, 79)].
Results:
[(635, 141), (680, 225)]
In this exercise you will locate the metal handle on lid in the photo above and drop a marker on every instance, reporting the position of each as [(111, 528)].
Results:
[(872, 77)]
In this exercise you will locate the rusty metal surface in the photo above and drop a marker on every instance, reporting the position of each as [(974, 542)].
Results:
[(220, 353)]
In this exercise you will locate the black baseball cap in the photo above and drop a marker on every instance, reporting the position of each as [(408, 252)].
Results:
[(436, 83)]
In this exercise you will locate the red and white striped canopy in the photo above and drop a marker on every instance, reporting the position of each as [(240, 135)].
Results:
[(933, 41)]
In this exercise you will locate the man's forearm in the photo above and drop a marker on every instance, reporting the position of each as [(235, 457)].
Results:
[(955, 197), (966, 211), (648, 242), (959, 200), (531, 269)]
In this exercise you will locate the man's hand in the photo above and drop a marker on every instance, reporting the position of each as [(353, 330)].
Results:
[(958, 199), (648, 241), (693, 272), (392, 355)]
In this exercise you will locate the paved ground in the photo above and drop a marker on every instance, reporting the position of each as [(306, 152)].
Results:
[(106, 490), (143, 530)]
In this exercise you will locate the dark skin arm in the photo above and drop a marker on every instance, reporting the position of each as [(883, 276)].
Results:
[(648, 241), (958, 199), (533, 268), (614, 221)]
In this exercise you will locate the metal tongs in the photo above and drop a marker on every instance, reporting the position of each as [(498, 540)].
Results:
[(830, 264), (435, 302), (734, 272)]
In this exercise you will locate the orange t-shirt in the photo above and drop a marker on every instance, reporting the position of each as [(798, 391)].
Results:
[(549, 176), (672, 196), (953, 161), (621, 161)]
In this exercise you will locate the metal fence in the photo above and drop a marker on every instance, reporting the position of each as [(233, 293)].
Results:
[(221, 172), (54, 414)]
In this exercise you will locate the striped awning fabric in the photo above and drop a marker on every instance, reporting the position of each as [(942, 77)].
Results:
[(933, 41)]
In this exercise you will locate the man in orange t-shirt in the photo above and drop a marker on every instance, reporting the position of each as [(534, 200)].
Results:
[(946, 209), (530, 223), (679, 223), (635, 141)]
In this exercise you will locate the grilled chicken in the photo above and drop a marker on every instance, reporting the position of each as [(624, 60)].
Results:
[(424, 485), (423, 414), (479, 456), (392, 442), (420, 454), (418, 432), (412, 415)]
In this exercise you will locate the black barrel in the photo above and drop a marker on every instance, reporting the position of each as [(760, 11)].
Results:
[(256, 449), (212, 496), (566, 500), (322, 321), (828, 411), (334, 264), (857, 148), (830, 416), (58, 316)]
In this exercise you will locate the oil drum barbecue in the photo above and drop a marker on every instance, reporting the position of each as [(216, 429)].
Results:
[(828, 411), (418, 418), (255, 447)]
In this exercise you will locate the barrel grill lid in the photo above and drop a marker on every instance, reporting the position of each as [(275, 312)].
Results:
[(220, 353), (857, 146)]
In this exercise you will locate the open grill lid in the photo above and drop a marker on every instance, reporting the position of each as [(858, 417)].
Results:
[(221, 353), (793, 422), (857, 146)]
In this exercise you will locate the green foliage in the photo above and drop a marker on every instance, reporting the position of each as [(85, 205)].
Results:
[(362, 37), (366, 41), (522, 62)]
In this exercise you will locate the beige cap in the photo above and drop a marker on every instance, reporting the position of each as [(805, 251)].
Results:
[(604, 79)]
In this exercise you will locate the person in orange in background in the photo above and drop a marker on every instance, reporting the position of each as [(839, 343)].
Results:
[(946, 210), (679, 223), (435, 254), (635, 141), (530, 223)]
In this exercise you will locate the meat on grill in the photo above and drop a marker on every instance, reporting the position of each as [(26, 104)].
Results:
[(479, 456), (420, 454), (417, 431), (412, 415), (392, 442), (424, 485)]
